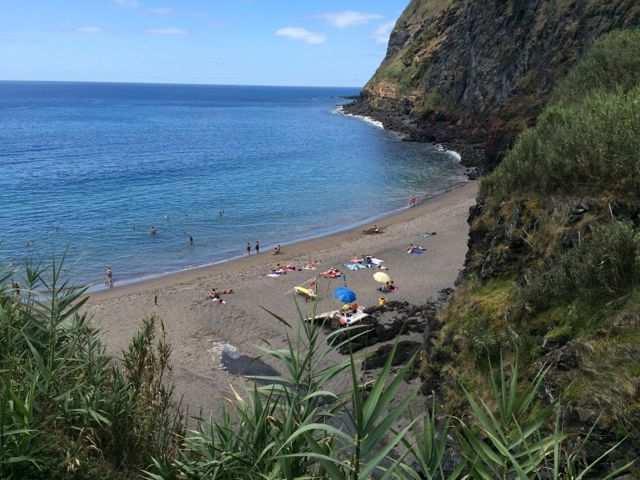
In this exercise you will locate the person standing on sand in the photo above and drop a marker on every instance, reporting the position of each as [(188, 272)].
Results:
[(257, 247), (108, 280), (248, 249)]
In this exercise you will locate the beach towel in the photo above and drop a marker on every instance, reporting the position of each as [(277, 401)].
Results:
[(354, 267), (273, 275), (377, 261)]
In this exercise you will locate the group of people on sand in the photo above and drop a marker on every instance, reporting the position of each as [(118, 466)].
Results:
[(276, 250), (214, 295)]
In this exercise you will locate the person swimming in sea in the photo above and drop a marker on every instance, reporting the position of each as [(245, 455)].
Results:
[(190, 241), (153, 232), (257, 247), (248, 248)]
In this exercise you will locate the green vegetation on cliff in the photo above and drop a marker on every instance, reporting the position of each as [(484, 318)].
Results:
[(587, 141), (553, 268)]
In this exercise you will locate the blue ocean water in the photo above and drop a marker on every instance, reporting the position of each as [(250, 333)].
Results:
[(88, 169)]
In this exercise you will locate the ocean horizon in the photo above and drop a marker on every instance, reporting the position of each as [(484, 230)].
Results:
[(88, 169)]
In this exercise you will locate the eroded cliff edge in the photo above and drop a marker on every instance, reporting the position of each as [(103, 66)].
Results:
[(476, 73)]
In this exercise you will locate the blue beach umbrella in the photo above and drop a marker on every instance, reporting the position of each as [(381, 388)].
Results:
[(345, 295)]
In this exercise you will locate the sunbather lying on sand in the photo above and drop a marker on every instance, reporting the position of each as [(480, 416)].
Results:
[(388, 287), (215, 296), (331, 273), (416, 249), (373, 230)]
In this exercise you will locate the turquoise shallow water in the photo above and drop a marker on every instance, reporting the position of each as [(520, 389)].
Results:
[(87, 169)]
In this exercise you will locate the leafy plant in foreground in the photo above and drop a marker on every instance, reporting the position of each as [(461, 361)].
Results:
[(296, 427)]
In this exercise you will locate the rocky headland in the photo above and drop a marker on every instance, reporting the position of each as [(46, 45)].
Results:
[(475, 74)]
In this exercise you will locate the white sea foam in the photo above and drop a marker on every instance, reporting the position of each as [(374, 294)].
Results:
[(371, 121), (455, 155)]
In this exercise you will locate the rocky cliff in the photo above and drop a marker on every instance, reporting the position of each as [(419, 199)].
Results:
[(552, 274), (478, 72)]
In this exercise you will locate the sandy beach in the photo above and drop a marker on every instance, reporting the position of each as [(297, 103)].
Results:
[(198, 329)]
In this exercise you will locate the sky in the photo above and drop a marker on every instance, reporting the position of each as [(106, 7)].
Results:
[(239, 42)]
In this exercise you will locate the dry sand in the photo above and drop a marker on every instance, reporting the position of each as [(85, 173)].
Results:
[(198, 328)]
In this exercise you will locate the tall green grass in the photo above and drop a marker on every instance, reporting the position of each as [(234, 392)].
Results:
[(66, 410)]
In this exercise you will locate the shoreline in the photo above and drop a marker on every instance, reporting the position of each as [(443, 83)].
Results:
[(201, 331), (159, 279)]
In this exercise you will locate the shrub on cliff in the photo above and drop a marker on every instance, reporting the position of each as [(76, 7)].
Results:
[(611, 64), (601, 268), (586, 148), (587, 140)]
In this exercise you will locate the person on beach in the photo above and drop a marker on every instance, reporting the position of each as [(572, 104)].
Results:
[(257, 247), (108, 277), (248, 249), (276, 251), (16, 289), (413, 202)]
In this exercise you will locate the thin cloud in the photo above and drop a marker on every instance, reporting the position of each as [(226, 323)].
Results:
[(89, 29), (301, 34), (169, 31), (382, 33), (349, 18), (161, 11), (127, 3)]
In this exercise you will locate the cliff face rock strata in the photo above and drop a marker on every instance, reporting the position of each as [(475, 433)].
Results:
[(480, 72)]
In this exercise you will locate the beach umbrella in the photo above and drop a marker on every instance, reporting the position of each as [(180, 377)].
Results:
[(381, 277), (345, 295)]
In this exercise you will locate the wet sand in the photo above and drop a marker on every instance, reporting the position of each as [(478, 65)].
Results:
[(199, 329)]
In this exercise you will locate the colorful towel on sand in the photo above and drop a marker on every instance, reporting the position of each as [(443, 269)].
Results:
[(354, 267)]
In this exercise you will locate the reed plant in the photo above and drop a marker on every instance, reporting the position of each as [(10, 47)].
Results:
[(296, 426), (67, 410)]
